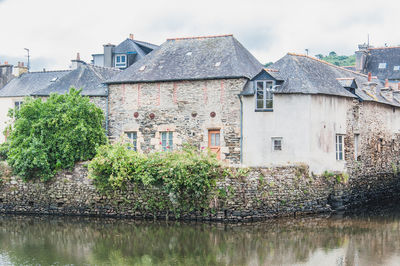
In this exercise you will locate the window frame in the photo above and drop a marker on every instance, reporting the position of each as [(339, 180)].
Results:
[(339, 147), (120, 63), (396, 68), (273, 146), (17, 105), (132, 141), (169, 140), (266, 90)]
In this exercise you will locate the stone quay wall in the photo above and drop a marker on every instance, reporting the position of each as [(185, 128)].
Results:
[(261, 194)]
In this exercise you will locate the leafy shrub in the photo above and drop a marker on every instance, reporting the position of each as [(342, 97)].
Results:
[(4, 147), (54, 134), (187, 176)]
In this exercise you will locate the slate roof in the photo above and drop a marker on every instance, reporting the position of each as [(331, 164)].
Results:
[(88, 77), (307, 75), (129, 45), (388, 55), (30, 82), (196, 58)]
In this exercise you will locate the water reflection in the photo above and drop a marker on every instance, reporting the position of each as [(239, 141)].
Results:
[(363, 239)]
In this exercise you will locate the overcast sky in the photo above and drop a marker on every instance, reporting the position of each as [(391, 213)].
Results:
[(55, 30)]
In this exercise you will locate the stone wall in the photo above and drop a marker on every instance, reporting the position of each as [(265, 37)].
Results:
[(183, 108), (263, 193)]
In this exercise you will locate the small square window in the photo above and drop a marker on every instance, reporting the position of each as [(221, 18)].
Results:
[(132, 137), (120, 61), (396, 68), (382, 65), (17, 105), (276, 144)]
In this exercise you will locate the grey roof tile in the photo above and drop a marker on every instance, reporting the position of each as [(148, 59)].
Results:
[(87, 77), (388, 55), (28, 83), (193, 59)]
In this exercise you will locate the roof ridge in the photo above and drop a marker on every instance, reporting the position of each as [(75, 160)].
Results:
[(106, 68), (47, 71), (378, 48), (327, 63), (199, 37)]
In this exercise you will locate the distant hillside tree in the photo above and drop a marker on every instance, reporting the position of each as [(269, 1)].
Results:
[(339, 60)]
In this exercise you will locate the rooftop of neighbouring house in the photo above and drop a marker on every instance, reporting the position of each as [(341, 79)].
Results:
[(193, 58), (131, 45), (87, 77), (384, 62), (27, 83), (304, 74)]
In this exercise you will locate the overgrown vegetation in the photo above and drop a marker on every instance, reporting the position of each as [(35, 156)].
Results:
[(341, 178), (185, 176), (339, 60), (51, 135)]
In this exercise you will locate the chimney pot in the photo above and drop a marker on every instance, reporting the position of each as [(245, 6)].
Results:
[(44, 70), (386, 83), (78, 57), (369, 76), (131, 36), (6, 62), (398, 86), (22, 64)]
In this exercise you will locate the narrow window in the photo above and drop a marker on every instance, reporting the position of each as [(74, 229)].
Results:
[(356, 146), (339, 148), (276, 144), (166, 141), (132, 137), (264, 95)]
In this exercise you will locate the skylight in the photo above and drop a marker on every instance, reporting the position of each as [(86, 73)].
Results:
[(382, 65), (189, 53), (142, 68), (217, 64), (54, 79), (396, 68)]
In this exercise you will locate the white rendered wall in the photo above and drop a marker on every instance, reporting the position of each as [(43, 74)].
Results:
[(307, 125), (5, 105)]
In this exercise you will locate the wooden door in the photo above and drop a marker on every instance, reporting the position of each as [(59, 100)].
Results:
[(214, 142)]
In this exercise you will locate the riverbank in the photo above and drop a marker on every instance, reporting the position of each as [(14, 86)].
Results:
[(261, 194)]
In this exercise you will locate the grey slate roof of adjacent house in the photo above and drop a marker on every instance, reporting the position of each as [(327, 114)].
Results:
[(129, 45), (87, 77), (388, 55), (195, 58), (28, 83), (308, 75)]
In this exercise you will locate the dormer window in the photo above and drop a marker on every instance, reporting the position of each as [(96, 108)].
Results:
[(382, 65), (120, 61), (396, 68), (264, 97)]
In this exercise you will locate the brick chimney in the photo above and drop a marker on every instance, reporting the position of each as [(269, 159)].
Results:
[(361, 57), (77, 62), (20, 69), (386, 83), (369, 76), (5, 74)]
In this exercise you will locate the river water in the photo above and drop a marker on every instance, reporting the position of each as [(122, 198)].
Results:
[(365, 238)]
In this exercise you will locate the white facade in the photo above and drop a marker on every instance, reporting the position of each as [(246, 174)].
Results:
[(6, 103), (307, 126)]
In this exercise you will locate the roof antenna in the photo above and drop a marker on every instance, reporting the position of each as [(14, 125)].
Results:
[(368, 40), (307, 52)]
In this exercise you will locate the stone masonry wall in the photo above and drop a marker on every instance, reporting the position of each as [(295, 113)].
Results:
[(263, 193), (183, 108)]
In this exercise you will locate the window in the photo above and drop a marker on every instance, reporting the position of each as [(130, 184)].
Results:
[(132, 137), (264, 95), (356, 146), (214, 144), (120, 61), (166, 141), (17, 105), (339, 148), (382, 65), (276, 144), (396, 68)]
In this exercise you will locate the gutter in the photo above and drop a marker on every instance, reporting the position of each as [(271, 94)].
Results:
[(241, 128), (107, 93)]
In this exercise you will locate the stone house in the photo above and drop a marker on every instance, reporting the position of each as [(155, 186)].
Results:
[(184, 92), (383, 62), (124, 54), (211, 92), (322, 115), (40, 84)]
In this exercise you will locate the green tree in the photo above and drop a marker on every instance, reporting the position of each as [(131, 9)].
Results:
[(51, 135)]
